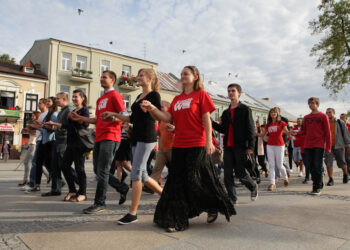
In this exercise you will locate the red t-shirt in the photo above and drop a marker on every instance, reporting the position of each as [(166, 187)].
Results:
[(348, 125), (299, 138), (275, 131), (229, 142), (112, 101), (317, 131), (187, 111)]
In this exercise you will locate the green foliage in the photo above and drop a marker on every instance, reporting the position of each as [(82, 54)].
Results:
[(333, 50), (7, 59)]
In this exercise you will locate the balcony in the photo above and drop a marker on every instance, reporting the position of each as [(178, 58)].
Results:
[(81, 75), (8, 114), (128, 83)]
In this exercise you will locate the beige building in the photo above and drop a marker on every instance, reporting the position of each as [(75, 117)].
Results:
[(71, 66), (21, 87)]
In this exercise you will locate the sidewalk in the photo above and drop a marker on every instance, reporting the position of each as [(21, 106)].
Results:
[(285, 219)]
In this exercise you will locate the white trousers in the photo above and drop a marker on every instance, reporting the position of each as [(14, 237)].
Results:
[(275, 155)]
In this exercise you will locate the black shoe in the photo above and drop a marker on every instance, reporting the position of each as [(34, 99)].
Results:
[(315, 191), (345, 178), (147, 190), (51, 193), (305, 181), (124, 175), (127, 219), (94, 209), (331, 182), (254, 194), (123, 197), (258, 180)]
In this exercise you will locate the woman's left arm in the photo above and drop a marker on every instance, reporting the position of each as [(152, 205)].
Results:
[(209, 147)]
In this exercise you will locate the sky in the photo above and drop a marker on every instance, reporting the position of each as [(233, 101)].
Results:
[(262, 45)]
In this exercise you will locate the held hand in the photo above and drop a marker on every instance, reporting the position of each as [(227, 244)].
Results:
[(108, 116), (49, 123), (169, 127), (249, 152), (209, 148), (146, 106), (74, 116)]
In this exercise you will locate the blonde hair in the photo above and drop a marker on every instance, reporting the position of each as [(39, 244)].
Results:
[(198, 84), (152, 74)]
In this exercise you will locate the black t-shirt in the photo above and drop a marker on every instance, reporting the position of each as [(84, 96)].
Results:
[(143, 124), (72, 126)]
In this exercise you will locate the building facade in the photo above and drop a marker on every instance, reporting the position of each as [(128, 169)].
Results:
[(72, 66), (21, 87)]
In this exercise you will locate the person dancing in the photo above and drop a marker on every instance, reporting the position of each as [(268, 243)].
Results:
[(193, 186), (144, 135)]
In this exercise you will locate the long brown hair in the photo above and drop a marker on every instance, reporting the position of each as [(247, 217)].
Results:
[(269, 118), (82, 95), (52, 110), (198, 84), (151, 74)]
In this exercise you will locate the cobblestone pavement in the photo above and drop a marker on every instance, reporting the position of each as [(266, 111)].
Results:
[(29, 213)]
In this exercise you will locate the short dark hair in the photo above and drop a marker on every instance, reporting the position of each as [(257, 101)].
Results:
[(111, 74), (43, 100), (236, 86), (315, 99)]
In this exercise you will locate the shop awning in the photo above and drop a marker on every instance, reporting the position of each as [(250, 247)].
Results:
[(7, 127)]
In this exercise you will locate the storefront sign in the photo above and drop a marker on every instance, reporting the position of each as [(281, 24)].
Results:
[(6, 127), (8, 112)]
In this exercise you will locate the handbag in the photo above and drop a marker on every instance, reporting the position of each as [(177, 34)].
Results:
[(86, 138), (218, 156)]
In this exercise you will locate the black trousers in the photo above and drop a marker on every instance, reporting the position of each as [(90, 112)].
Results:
[(44, 156), (74, 154), (235, 159)]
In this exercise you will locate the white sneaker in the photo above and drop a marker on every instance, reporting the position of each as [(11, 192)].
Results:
[(33, 189), (291, 171), (300, 174), (25, 188)]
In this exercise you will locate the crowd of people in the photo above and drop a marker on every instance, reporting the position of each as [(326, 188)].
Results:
[(126, 142)]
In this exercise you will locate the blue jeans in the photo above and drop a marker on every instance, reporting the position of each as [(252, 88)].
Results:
[(33, 168), (57, 159), (102, 159), (313, 160)]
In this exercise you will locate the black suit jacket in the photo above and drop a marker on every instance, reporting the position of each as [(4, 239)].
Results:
[(243, 126)]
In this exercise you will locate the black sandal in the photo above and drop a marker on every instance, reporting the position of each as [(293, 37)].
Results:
[(171, 230), (69, 197), (211, 218)]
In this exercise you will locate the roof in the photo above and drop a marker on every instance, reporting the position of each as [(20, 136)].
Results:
[(15, 69), (54, 39), (284, 113), (169, 82)]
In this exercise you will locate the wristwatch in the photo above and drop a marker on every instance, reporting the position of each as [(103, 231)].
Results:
[(113, 118)]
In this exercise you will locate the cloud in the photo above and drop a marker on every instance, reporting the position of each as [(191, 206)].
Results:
[(267, 43)]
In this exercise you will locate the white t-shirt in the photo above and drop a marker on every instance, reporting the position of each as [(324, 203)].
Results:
[(39, 136)]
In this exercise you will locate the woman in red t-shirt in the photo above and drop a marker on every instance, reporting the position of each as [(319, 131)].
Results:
[(193, 186), (275, 146)]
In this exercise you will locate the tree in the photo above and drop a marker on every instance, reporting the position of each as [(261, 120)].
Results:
[(333, 50), (7, 59)]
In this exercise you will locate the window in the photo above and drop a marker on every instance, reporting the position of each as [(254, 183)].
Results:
[(81, 62), (29, 70), (7, 98), (127, 70), (31, 102), (104, 65), (65, 88), (127, 100), (66, 61)]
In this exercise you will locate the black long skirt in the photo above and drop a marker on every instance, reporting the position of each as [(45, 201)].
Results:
[(192, 187)]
